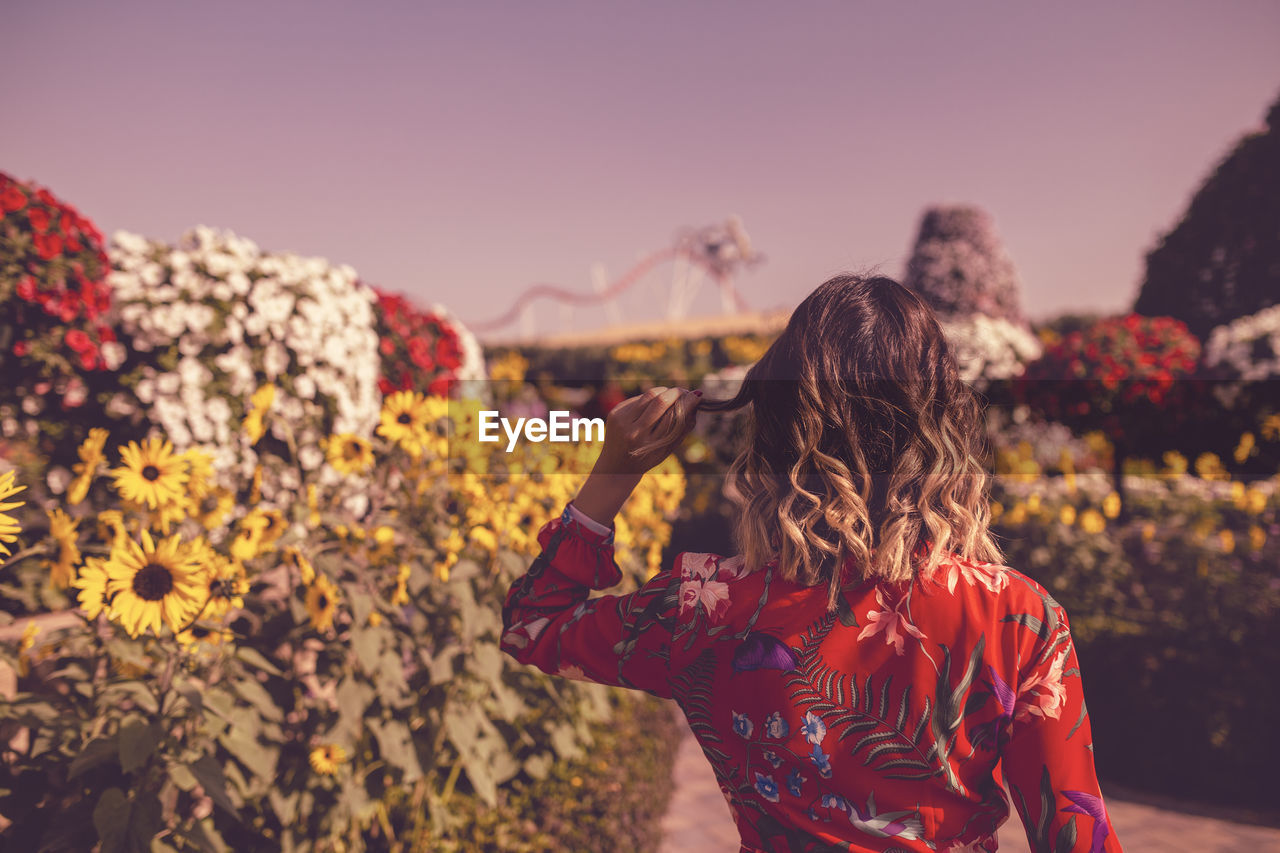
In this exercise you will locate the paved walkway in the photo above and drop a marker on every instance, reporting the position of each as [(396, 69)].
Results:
[(698, 821)]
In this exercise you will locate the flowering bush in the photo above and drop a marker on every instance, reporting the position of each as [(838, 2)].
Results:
[(297, 683), (225, 332), (960, 266), (1173, 606), (423, 350), (55, 337), (989, 349), (1242, 357), (1123, 375)]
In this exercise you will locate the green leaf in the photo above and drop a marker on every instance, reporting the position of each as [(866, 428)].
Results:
[(1028, 621), (182, 776), (538, 765), (396, 745), (145, 822), (361, 605), (256, 695), (98, 751), (138, 741), (208, 773), (255, 658), (259, 758), (367, 644), (220, 703), (111, 819)]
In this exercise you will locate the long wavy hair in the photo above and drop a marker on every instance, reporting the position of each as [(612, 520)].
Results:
[(865, 452)]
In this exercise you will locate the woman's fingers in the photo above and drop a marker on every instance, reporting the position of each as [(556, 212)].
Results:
[(659, 401)]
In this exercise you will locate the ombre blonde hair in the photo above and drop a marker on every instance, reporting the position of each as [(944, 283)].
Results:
[(865, 453)]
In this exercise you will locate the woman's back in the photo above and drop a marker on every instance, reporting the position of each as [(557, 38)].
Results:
[(875, 726), (886, 717)]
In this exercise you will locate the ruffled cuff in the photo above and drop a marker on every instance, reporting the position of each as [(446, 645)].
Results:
[(575, 547)]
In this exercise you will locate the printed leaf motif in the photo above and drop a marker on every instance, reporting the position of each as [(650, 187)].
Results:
[(890, 737), (948, 712)]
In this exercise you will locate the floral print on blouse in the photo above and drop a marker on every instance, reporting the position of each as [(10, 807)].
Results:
[(878, 727)]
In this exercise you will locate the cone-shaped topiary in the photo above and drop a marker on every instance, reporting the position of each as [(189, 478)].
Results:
[(960, 266), (1222, 261)]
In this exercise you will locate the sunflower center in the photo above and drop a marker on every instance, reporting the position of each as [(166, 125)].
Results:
[(404, 418), (322, 601), (351, 452), (151, 472), (152, 582)]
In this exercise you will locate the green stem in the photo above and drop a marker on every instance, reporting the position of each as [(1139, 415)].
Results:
[(449, 783)]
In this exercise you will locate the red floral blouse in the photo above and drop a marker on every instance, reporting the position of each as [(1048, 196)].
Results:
[(878, 727)]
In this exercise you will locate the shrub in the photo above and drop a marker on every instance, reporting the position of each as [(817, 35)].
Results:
[(1222, 261), (224, 333), (960, 267), (1173, 610), (56, 340)]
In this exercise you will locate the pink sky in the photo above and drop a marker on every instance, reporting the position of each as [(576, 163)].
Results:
[(459, 152)]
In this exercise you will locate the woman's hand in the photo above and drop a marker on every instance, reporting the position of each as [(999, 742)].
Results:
[(639, 433)]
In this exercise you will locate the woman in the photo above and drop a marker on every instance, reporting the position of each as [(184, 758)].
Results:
[(863, 672)]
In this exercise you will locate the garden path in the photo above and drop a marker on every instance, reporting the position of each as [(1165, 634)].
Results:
[(698, 821)]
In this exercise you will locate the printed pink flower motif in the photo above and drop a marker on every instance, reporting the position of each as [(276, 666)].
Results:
[(890, 621), (1043, 696), (520, 636), (572, 671), (974, 572), (705, 583)]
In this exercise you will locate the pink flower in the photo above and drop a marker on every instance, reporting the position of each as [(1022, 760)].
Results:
[(1044, 695), (889, 621), (990, 575), (706, 583)]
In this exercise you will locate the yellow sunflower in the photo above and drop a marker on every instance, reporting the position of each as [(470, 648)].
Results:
[(259, 405), (258, 531), (154, 581), (213, 507), (294, 558), (86, 469), (25, 647), (200, 471), (111, 526), (349, 454), (404, 420), (9, 527), (92, 584), (327, 758), (151, 473), (62, 529), (200, 633), (322, 603), (226, 582)]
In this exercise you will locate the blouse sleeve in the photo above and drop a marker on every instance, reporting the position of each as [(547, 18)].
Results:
[(549, 620), (1048, 760)]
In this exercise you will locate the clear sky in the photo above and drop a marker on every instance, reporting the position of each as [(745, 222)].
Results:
[(462, 151)]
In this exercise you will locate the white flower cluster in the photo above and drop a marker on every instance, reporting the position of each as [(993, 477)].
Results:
[(989, 348), (1244, 350), (220, 317)]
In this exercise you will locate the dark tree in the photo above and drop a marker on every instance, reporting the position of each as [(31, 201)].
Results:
[(1222, 261), (960, 266)]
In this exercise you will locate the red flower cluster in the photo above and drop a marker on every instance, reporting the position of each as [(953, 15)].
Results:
[(420, 350), (1119, 365), (53, 272)]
